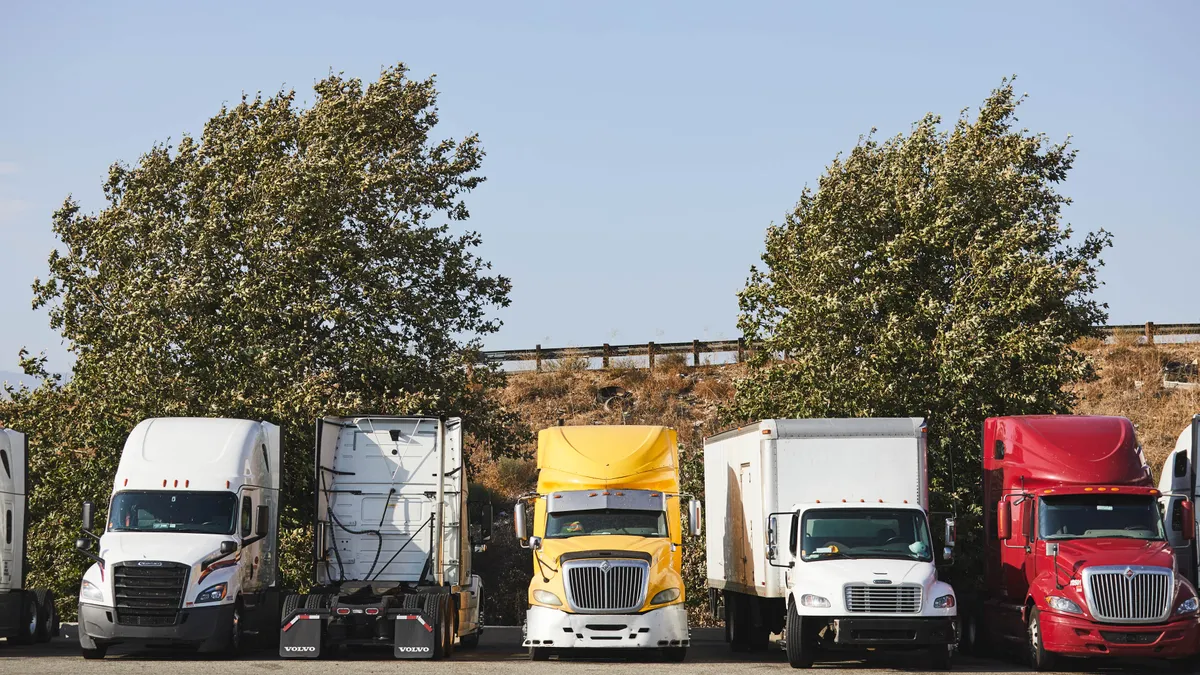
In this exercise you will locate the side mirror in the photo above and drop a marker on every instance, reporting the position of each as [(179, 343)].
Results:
[(535, 543), (519, 522), (1181, 464), (951, 534), (89, 515), (694, 517), (228, 547), (1189, 520), (1004, 520), (81, 544), (263, 524), (772, 538), (948, 554)]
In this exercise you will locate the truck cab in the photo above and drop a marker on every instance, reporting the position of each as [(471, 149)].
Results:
[(187, 556), (1178, 485), (606, 539), (1077, 560), (26, 615)]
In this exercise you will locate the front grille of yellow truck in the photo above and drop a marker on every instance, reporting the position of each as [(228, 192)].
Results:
[(601, 586)]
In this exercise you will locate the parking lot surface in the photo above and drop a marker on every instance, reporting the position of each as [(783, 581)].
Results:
[(499, 653)]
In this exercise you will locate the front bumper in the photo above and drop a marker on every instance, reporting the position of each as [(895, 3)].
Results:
[(555, 629), (892, 632), (203, 627), (1076, 636)]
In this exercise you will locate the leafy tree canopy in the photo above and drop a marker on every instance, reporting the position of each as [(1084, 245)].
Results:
[(927, 275), (287, 263)]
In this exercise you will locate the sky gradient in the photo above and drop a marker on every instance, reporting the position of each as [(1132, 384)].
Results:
[(636, 152)]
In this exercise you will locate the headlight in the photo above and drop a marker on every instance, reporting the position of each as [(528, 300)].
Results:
[(669, 595), (1062, 605), (91, 592), (1186, 607), (809, 600), (547, 598), (211, 594), (944, 602)]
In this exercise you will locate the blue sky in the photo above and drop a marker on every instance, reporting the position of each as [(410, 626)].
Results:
[(636, 151)]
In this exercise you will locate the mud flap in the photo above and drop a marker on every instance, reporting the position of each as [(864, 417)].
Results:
[(415, 637), (300, 637)]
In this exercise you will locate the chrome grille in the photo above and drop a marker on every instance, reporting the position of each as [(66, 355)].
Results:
[(1132, 594), (903, 599), (149, 593), (601, 585)]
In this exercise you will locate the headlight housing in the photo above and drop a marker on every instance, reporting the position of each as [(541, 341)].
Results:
[(90, 592), (669, 595), (944, 602), (546, 598), (1061, 604), (1188, 606), (810, 600), (213, 593)]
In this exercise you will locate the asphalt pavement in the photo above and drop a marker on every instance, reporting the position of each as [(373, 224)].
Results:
[(499, 653)]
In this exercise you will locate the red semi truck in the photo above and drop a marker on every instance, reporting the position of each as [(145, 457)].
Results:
[(1077, 562)]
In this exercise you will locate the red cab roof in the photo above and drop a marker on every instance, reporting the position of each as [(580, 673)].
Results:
[(1050, 450)]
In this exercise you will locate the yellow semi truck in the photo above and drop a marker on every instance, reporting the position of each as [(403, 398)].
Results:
[(607, 537)]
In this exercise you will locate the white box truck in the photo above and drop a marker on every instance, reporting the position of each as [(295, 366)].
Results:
[(817, 529), (26, 615), (1179, 484), (392, 544), (188, 556)]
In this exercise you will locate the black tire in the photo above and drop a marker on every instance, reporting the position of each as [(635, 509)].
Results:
[(433, 614), (940, 657), (235, 637), (539, 654), (1039, 659), (97, 653), (318, 601), (469, 641), (47, 617), (800, 649), (451, 623), (31, 619), (290, 604), (674, 654), (735, 624)]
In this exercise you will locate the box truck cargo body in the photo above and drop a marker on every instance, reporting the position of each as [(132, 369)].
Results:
[(393, 542), (26, 615), (606, 539), (818, 530), (188, 556)]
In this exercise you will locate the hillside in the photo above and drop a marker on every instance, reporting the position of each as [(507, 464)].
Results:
[(1129, 383)]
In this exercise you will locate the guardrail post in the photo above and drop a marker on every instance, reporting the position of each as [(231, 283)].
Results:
[(695, 353), (741, 350), (650, 355), (1149, 332), (607, 353), (537, 357)]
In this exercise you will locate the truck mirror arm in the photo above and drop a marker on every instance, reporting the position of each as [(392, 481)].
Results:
[(81, 547)]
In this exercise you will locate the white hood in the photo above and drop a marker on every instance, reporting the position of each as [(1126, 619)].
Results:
[(828, 578), (187, 548)]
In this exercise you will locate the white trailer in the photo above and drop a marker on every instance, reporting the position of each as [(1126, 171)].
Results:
[(189, 554), (817, 529), (26, 615), (392, 542), (1179, 483)]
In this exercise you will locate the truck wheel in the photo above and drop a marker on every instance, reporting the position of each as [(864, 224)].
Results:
[(469, 641), (47, 617), (451, 622), (290, 604), (1039, 658), (433, 614), (97, 653), (235, 637), (939, 657), (539, 654), (31, 619), (674, 654), (800, 650), (735, 625)]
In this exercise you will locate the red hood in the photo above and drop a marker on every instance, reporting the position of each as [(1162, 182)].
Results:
[(1076, 554)]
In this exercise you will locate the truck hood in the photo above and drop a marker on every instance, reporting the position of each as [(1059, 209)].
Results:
[(189, 549), (840, 570), (659, 549), (1076, 554)]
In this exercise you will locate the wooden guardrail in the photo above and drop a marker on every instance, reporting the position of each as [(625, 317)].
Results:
[(739, 349)]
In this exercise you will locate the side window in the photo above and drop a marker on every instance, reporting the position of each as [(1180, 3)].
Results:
[(998, 450), (247, 516), (4, 462), (8, 526)]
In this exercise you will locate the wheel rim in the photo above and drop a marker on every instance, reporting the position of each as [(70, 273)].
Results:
[(33, 619), (235, 638), (1035, 637), (972, 635)]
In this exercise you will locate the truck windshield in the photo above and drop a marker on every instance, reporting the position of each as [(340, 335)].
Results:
[(865, 533), (606, 521), (1096, 516), (165, 511)]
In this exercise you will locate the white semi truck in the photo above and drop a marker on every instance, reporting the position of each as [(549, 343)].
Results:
[(26, 615), (392, 544), (817, 530), (188, 556), (1179, 483)]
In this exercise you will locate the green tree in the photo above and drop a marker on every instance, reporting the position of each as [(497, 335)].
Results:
[(287, 263), (927, 275)]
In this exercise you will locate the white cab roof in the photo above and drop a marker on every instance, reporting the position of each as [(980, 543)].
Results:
[(191, 453)]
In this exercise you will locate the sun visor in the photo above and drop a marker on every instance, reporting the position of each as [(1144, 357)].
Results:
[(591, 500)]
